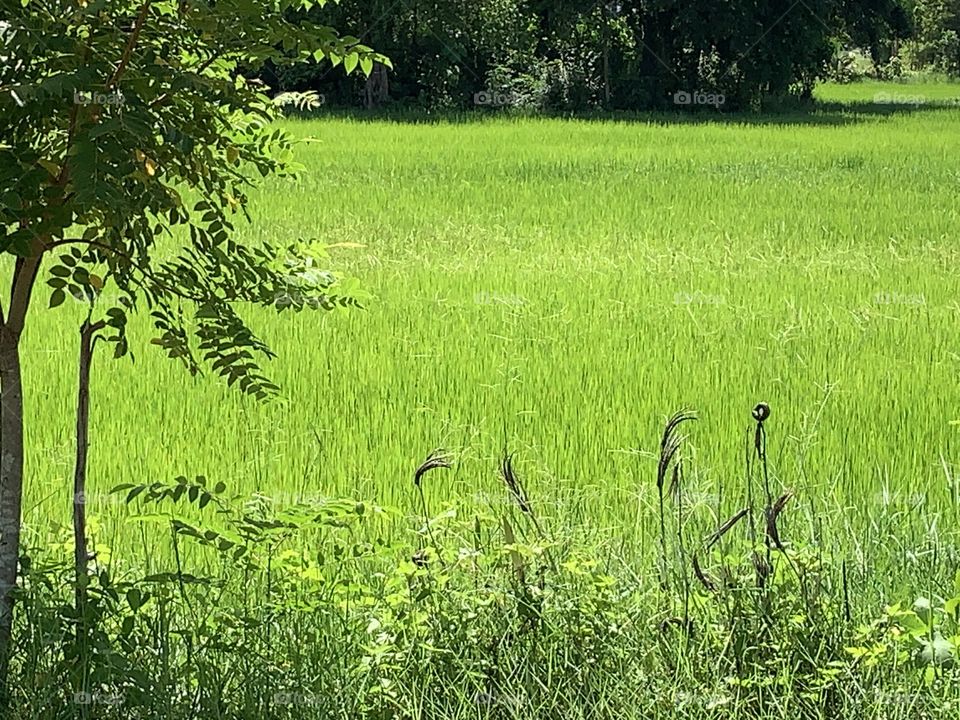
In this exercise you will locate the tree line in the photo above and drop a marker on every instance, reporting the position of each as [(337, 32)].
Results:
[(623, 54)]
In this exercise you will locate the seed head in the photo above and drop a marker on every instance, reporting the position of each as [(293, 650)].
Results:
[(761, 412), (436, 459)]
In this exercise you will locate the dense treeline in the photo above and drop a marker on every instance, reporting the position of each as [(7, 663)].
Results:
[(937, 34), (631, 54)]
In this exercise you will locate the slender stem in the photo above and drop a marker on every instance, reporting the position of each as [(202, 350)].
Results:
[(81, 555), (846, 592), (762, 454), (180, 583), (426, 520), (131, 44), (663, 541), (681, 549)]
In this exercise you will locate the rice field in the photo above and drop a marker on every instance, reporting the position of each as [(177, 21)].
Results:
[(556, 288), (569, 284)]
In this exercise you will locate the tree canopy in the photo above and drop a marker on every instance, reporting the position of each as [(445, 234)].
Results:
[(627, 54)]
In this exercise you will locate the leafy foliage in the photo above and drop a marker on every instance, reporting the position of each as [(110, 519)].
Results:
[(938, 35), (636, 54), (262, 609), (131, 140), (309, 100)]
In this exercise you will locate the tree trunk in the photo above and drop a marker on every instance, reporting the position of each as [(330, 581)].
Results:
[(81, 557), (605, 12), (377, 89), (88, 338), (11, 448), (11, 487), (606, 76)]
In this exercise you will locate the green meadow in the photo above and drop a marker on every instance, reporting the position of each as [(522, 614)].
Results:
[(572, 283), (565, 285)]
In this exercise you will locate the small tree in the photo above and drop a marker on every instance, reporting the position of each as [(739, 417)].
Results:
[(124, 122)]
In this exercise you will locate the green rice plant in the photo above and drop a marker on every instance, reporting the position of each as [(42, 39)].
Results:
[(560, 282)]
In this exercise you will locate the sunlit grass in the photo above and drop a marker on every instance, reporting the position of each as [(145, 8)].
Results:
[(573, 283)]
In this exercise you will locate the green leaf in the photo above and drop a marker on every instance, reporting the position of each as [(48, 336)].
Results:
[(134, 599), (951, 606), (57, 298), (126, 627), (131, 496), (350, 62), (50, 166)]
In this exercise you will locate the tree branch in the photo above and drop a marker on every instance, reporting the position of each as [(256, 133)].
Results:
[(64, 175), (199, 71), (146, 273), (71, 131), (21, 290), (131, 43)]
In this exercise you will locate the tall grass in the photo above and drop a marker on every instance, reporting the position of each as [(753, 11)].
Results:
[(569, 282)]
